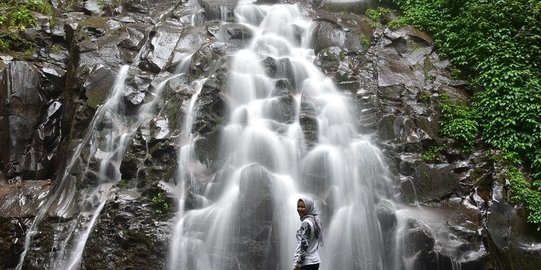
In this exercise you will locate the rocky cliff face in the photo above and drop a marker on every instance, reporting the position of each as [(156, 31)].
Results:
[(48, 100)]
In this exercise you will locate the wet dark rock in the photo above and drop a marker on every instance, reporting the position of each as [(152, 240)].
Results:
[(281, 109), (429, 125), (413, 36), (429, 182), (386, 216), (455, 95), (129, 236), (40, 156), (21, 106), (399, 129), (92, 7), (138, 90), (176, 92), (211, 109), (134, 39), (97, 40), (418, 244), (515, 242), (308, 121), (97, 81), (281, 68), (21, 200), (218, 9), (234, 34), (208, 59), (357, 30), (136, 6), (158, 53), (408, 163), (256, 222), (396, 73), (191, 39), (330, 59), (328, 34), (12, 231), (54, 79)]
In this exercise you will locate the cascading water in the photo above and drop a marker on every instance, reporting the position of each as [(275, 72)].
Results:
[(266, 153), (246, 215), (100, 155), (63, 200)]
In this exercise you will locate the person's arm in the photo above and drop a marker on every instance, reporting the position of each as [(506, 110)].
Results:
[(305, 232)]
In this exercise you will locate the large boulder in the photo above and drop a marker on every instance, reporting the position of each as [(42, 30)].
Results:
[(515, 242), (21, 108), (218, 9), (429, 183), (132, 232), (417, 245), (211, 109), (256, 220), (328, 34), (158, 53)]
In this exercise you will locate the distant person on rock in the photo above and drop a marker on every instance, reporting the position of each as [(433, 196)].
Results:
[(309, 236)]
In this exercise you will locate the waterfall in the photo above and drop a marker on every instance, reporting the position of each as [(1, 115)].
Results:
[(246, 213), (63, 200), (269, 163)]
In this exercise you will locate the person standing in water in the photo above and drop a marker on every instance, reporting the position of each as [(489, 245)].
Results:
[(309, 236)]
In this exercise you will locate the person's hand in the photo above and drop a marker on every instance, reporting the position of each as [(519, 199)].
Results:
[(297, 267)]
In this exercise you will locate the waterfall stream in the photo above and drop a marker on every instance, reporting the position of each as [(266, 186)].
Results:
[(265, 151), (248, 213)]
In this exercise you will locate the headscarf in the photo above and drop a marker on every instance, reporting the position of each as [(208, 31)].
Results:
[(312, 214)]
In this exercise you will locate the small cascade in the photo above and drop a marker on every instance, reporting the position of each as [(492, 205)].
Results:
[(188, 166), (62, 202), (97, 160)]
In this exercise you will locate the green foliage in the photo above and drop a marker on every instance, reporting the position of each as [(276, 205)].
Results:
[(458, 122), (523, 191), (4, 45), (432, 154), (160, 204), (365, 41), (18, 15), (40, 6), (22, 18), (496, 44), (376, 14), (424, 96)]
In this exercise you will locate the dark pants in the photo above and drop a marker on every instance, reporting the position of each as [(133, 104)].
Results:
[(310, 267)]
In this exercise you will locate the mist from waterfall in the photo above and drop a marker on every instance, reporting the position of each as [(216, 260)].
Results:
[(264, 149)]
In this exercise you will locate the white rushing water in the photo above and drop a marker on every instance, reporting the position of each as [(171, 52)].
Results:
[(250, 203), (263, 150)]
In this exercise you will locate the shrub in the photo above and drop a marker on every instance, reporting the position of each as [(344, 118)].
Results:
[(458, 122), (19, 15)]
